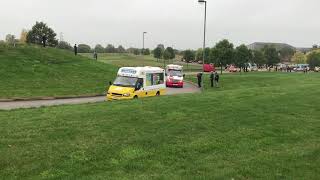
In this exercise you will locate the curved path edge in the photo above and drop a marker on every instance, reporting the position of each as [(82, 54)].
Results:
[(43, 102)]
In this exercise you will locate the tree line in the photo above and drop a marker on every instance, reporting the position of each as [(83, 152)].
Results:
[(42, 32), (225, 53), (222, 54)]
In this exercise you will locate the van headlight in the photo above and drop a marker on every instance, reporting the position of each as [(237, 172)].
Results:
[(126, 94)]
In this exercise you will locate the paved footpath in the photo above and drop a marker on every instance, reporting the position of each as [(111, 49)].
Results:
[(188, 88)]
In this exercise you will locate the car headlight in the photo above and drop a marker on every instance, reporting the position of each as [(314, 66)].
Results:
[(126, 94)]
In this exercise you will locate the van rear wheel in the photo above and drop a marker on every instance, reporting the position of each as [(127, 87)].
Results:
[(158, 93), (135, 97)]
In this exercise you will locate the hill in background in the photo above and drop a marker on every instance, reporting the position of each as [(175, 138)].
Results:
[(33, 71)]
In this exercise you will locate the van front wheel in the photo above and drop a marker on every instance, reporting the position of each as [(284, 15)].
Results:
[(135, 97), (158, 93)]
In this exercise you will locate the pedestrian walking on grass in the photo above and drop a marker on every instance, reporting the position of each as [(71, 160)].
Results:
[(75, 48), (216, 79), (44, 40), (199, 77), (95, 55), (212, 78)]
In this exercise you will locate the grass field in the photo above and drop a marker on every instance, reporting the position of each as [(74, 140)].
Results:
[(122, 60), (256, 126), (31, 71)]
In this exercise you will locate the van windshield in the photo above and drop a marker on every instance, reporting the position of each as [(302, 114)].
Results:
[(125, 81), (175, 73)]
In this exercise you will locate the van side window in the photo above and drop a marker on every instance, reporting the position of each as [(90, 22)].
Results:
[(154, 79), (149, 79)]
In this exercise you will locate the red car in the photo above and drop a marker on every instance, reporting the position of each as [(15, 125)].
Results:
[(208, 68)]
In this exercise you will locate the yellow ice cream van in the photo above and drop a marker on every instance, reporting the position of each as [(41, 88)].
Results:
[(137, 82)]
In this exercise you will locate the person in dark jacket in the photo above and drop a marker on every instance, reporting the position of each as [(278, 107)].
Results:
[(44, 40), (216, 79), (75, 49), (212, 78), (95, 55), (199, 77)]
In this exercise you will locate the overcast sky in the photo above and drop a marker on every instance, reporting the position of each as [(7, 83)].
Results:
[(177, 23)]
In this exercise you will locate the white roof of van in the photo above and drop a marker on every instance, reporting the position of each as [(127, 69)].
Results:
[(137, 71)]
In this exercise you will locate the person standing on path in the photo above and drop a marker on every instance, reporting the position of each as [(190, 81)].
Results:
[(216, 79), (199, 77), (212, 78), (75, 49)]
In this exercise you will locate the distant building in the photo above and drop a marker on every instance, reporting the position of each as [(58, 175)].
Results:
[(260, 45), (304, 50)]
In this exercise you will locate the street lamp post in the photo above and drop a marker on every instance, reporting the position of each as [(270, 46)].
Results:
[(142, 53), (143, 42), (204, 39)]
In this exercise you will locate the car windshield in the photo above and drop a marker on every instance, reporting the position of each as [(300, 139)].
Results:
[(125, 81), (175, 73)]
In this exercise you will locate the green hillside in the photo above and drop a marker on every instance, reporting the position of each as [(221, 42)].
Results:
[(32, 71)]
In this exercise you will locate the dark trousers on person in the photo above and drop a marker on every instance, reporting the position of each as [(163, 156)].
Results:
[(199, 83), (211, 80)]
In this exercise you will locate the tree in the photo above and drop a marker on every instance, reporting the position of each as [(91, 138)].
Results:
[(11, 39), (157, 53), (258, 58), (171, 53), (23, 36), (64, 45), (222, 54), (99, 49), (188, 56), (199, 54), (136, 51), (84, 48), (121, 49), (161, 46), (166, 55), (242, 56), (40, 30), (286, 54), (110, 48), (299, 58), (146, 52), (313, 59), (271, 55)]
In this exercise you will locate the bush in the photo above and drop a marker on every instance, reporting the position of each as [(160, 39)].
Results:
[(64, 45), (83, 48)]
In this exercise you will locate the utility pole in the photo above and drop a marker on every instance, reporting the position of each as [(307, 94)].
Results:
[(61, 36), (204, 40)]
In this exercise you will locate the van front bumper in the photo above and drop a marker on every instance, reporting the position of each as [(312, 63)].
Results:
[(111, 97)]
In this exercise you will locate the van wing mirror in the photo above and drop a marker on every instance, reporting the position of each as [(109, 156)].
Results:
[(110, 83)]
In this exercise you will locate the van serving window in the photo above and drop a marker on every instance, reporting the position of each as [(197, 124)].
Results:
[(154, 79)]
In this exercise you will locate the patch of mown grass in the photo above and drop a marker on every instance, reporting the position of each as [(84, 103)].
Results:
[(32, 71), (130, 60), (253, 130)]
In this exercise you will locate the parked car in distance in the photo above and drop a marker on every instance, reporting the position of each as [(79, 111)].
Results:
[(208, 68), (232, 68), (252, 67), (301, 67)]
